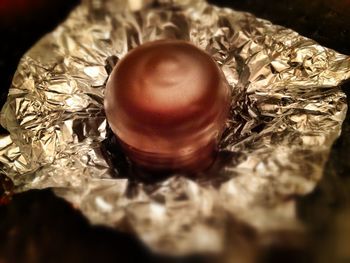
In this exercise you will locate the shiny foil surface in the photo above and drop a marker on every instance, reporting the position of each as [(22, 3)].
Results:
[(287, 110)]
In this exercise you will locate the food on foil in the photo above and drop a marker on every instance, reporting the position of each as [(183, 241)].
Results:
[(167, 102), (287, 111)]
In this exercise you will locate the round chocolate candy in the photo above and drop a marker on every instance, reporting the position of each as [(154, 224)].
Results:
[(167, 102)]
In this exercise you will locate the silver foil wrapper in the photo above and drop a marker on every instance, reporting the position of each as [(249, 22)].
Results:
[(287, 111)]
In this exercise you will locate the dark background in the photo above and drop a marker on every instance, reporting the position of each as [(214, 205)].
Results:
[(36, 226)]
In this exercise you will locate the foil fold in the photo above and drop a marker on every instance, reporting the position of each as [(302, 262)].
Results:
[(287, 110)]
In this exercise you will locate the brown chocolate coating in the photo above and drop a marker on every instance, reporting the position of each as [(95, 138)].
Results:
[(167, 102)]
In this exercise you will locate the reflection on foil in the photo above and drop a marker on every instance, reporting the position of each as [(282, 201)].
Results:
[(287, 111)]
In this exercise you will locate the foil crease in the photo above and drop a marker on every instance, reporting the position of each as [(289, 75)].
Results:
[(287, 110)]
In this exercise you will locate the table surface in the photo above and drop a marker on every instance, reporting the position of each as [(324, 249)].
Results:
[(36, 226)]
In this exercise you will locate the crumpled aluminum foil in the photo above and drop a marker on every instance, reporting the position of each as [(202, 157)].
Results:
[(287, 111)]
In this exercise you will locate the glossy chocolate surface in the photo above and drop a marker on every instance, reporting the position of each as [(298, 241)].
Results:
[(167, 102)]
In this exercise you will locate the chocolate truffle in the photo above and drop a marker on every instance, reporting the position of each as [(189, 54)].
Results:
[(167, 102)]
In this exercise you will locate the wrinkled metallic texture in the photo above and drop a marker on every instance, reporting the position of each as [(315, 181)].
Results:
[(287, 111)]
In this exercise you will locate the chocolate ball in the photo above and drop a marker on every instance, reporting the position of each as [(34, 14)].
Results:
[(167, 102)]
